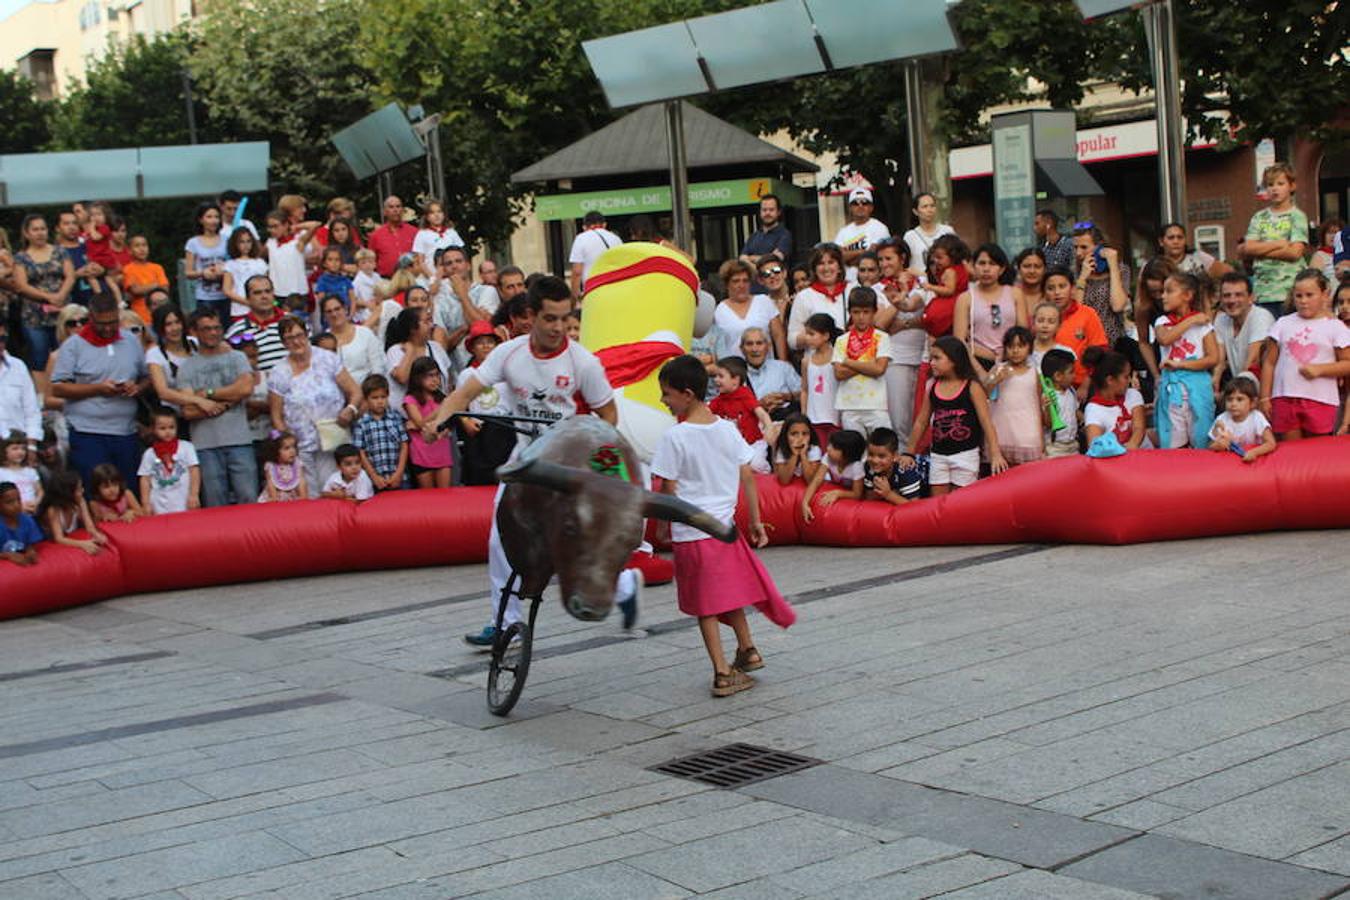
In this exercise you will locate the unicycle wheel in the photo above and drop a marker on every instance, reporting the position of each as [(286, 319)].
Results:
[(509, 667)]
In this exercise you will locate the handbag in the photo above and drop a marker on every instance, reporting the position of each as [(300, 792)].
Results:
[(332, 435)]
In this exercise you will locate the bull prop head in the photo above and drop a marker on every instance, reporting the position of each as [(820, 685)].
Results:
[(586, 538)]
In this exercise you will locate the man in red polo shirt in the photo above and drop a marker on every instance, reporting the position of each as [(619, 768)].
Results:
[(392, 239)]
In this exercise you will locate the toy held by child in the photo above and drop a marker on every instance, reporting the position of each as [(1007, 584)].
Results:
[(1241, 428), (703, 459), (349, 482), (956, 409), (171, 477), (112, 501), (1185, 401), (283, 472), (842, 467)]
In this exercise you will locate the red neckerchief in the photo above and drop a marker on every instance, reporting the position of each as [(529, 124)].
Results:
[(260, 324), (94, 338), (860, 344), (1173, 320), (166, 450), (1069, 309), (1124, 429), (833, 292), (439, 231), (630, 363), (287, 239)]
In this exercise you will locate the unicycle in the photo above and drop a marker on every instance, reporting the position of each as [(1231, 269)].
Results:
[(511, 649)]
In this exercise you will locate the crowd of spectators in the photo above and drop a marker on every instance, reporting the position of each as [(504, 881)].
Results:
[(880, 365)]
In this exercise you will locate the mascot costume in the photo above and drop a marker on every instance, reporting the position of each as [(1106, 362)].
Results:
[(642, 307)]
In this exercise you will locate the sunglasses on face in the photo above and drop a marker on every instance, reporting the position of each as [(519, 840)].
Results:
[(79, 323), (771, 270), (136, 329), (996, 316)]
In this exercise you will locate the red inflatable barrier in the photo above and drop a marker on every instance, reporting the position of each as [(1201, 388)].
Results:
[(1147, 496)]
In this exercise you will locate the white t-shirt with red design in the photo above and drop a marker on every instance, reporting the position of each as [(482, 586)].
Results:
[(1114, 418), (1191, 344), (545, 387)]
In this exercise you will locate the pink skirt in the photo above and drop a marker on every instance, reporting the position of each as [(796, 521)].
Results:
[(712, 578)]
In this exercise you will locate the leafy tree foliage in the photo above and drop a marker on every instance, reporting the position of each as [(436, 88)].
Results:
[(26, 125)]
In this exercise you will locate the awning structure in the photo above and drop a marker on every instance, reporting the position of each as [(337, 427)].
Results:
[(1067, 178), (637, 144)]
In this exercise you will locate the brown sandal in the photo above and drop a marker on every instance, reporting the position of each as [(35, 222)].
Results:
[(732, 682), (748, 660)]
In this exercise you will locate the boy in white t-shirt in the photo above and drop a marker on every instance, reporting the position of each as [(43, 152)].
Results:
[(170, 475), (1242, 428), (861, 356), (349, 482)]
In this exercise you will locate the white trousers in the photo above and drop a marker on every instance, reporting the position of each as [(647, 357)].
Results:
[(900, 380), (499, 572)]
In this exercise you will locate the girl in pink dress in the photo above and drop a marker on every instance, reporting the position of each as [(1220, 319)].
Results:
[(431, 461), (704, 460), (1015, 400)]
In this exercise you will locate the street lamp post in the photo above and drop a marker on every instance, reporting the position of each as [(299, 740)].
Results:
[(1160, 26)]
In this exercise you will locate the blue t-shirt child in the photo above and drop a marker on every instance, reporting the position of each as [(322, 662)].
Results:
[(20, 538)]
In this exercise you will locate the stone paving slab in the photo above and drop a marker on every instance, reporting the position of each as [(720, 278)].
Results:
[(1162, 866), (989, 733)]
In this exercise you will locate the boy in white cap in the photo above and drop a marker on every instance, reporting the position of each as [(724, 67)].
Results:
[(861, 231)]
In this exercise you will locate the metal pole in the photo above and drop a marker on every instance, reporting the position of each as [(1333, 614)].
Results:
[(191, 113), (1160, 26), (914, 128), (679, 174)]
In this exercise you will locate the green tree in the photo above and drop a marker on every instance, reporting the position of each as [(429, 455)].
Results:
[(26, 117), (510, 78), (285, 72), (1278, 68), (134, 96)]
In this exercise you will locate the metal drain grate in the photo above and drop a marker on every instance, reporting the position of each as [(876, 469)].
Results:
[(735, 765)]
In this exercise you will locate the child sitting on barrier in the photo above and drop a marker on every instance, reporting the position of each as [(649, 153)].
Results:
[(112, 502), (63, 511), (796, 453), (1241, 428), (19, 531), (842, 467), (884, 478), (703, 459), (348, 482)]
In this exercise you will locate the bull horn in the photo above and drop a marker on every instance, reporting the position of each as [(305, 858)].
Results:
[(673, 509), (563, 479)]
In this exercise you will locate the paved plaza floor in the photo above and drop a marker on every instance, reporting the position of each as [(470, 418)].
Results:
[(1000, 723)]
